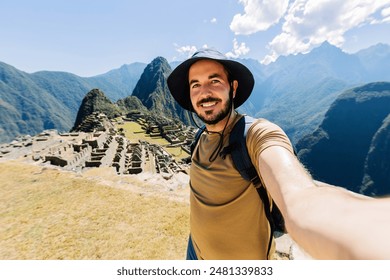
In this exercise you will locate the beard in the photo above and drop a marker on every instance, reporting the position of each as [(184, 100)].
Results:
[(209, 117)]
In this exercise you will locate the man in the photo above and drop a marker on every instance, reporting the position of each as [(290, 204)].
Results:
[(227, 219)]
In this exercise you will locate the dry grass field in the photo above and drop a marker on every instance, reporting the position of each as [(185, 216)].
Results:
[(46, 213)]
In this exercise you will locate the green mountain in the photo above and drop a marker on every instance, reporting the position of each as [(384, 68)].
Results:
[(95, 102), (30, 103), (150, 96), (152, 90), (376, 180), (27, 108), (298, 89), (351, 146), (118, 83)]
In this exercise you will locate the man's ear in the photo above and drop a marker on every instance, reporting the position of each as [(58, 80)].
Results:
[(234, 86)]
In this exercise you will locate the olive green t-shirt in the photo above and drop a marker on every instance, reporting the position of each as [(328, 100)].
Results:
[(227, 219)]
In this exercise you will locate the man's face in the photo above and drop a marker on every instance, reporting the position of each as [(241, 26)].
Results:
[(209, 90)]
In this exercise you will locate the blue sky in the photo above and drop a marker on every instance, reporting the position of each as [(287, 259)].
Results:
[(91, 37)]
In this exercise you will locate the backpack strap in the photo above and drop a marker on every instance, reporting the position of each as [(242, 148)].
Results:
[(242, 161), (237, 148), (196, 138), (267, 208)]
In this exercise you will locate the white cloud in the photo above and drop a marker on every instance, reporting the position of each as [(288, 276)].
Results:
[(238, 50), (186, 51), (308, 23), (259, 16), (386, 14), (212, 21)]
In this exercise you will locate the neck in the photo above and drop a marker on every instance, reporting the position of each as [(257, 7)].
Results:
[(219, 127)]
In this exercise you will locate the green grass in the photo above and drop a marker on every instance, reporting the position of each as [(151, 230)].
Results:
[(134, 132)]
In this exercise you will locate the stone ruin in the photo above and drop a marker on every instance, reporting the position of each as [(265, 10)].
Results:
[(104, 147)]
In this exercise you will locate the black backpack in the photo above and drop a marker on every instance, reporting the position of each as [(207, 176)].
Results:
[(239, 152)]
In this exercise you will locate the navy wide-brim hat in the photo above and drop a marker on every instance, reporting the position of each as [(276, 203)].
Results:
[(178, 83)]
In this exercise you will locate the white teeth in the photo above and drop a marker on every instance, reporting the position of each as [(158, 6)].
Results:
[(208, 104)]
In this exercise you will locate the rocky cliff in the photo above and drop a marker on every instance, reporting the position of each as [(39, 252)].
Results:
[(96, 102), (351, 146), (376, 180), (152, 90)]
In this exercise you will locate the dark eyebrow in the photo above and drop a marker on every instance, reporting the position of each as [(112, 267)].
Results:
[(212, 76), (193, 82), (216, 75)]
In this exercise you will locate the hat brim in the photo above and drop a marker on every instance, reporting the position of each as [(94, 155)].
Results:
[(179, 87)]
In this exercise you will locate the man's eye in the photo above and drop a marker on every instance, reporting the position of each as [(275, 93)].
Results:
[(195, 85)]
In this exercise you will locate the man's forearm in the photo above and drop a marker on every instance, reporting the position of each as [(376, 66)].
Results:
[(328, 222), (336, 224)]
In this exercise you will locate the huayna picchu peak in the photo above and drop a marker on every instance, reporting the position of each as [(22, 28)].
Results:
[(153, 91)]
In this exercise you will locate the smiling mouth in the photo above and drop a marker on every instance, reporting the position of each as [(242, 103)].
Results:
[(208, 103)]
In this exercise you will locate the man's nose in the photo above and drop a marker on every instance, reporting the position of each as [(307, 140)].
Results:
[(205, 90)]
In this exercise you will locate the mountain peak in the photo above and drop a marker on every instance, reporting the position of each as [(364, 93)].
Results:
[(159, 64), (379, 49), (152, 80), (95, 101), (326, 47), (326, 44), (376, 60), (152, 90), (95, 93), (159, 59)]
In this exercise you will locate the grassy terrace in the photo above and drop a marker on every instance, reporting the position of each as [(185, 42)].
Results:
[(134, 132)]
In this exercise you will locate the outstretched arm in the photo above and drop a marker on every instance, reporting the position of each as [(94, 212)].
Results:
[(328, 222)]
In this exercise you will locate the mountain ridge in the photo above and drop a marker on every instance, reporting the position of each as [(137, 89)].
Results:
[(288, 92), (152, 90), (352, 141), (299, 89)]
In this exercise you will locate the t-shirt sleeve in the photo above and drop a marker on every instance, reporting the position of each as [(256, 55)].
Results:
[(263, 134)]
